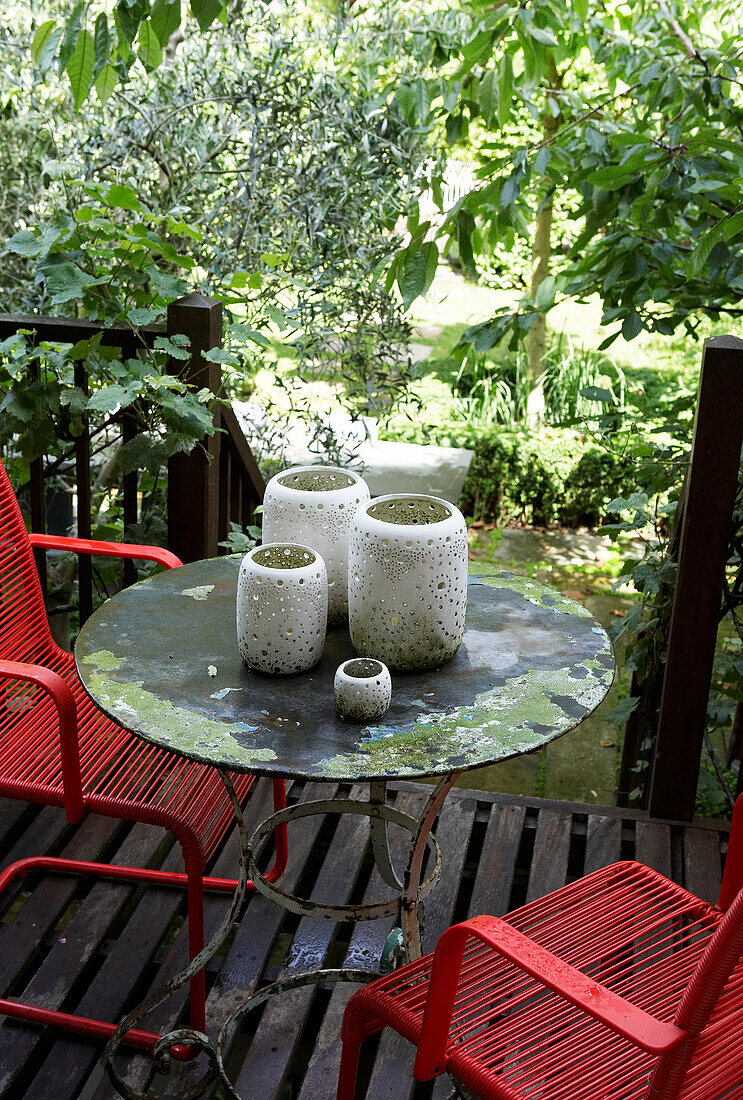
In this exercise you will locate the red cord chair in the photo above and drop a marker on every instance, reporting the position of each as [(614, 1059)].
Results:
[(58, 749), (620, 986)]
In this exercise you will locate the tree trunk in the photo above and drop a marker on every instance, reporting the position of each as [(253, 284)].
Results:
[(536, 338)]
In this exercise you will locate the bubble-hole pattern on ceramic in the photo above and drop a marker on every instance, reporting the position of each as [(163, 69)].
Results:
[(407, 581), (363, 689), (282, 608), (314, 506)]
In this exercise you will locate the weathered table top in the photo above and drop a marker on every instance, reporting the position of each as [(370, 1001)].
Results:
[(531, 666)]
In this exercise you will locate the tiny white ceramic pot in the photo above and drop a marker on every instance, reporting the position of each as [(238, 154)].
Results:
[(363, 689), (407, 581), (314, 506), (282, 608)]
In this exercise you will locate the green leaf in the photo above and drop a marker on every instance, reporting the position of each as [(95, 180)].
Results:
[(596, 393), (704, 249), (489, 96), (44, 43), (143, 316), (632, 326), (431, 252), (102, 42), (150, 51), (72, 28), (405, 96), (610, 179), (206, 11), (546, 38), (122, 197), (733, 225), (112, 398), (143, 453), (30, 242), (238, 328), (106, 82), (622, 711), (510, 190), (165, 18), (505, 90), (542, 159), (80, 68), (545, 293), (66, 282), (412, 277), (162, 343), (129, 14)]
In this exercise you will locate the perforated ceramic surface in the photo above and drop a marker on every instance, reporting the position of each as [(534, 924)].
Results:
[(532, 665), (407, 582), (363, 689), (282, 608), (314, 505)]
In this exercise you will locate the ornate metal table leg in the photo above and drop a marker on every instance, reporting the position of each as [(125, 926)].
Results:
[(380, 835), (374, 811), (412, 894), (186, 1036)]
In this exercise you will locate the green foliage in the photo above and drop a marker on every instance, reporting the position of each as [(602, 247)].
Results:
[(111, 259), (239, 541), (265, 163), (554, 476), (644, 153), (136, 30)]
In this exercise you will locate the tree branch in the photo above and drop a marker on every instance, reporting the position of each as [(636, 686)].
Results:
[(679, 31)]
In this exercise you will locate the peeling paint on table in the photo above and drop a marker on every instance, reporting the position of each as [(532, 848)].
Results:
[(532, 665)]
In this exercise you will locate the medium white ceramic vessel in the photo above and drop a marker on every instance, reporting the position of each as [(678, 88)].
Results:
[(363, 689), (314, 506), (407, 581), (282, 608)]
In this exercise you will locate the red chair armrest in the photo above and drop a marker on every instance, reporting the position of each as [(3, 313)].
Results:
[(64, 701), (106, 549), (618, 1014)]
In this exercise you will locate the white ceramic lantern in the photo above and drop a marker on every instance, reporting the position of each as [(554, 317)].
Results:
[(363, 689), (314, 506), (407, 581), (282, 608)]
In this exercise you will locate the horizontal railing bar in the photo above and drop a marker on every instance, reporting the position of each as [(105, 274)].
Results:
[(68, 330)]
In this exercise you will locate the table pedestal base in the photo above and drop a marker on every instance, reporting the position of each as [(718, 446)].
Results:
[(411, 891)]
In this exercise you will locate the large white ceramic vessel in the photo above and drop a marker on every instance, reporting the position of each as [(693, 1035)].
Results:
[(282, 608), (407, 581), (314, 506)]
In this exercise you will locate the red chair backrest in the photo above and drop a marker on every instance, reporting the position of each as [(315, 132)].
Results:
[(24, 630), (732, 880)]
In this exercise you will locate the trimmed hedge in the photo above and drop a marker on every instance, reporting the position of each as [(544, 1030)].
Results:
[(553, 476)]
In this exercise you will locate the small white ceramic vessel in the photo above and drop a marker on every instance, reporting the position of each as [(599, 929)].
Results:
[(363, 689), (314, 506), (282, 608), (407, 581)]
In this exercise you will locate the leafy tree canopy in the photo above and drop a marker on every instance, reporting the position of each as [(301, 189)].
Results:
[(629, 116)]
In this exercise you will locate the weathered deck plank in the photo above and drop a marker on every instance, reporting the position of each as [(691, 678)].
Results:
[(98, 948)]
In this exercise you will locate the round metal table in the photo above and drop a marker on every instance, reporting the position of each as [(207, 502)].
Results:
[(161, 659)]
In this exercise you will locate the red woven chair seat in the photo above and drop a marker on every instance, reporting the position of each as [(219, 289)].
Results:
[(625, 926), (117, 767), (63, 751)]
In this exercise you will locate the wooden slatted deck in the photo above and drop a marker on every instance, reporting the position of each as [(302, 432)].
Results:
[(98, 948)]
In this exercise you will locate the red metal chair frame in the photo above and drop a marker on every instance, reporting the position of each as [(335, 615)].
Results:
[(620, 986), (58, 749)]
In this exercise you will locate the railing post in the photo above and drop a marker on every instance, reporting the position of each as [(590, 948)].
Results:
[(193, 479), (703, 550)]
